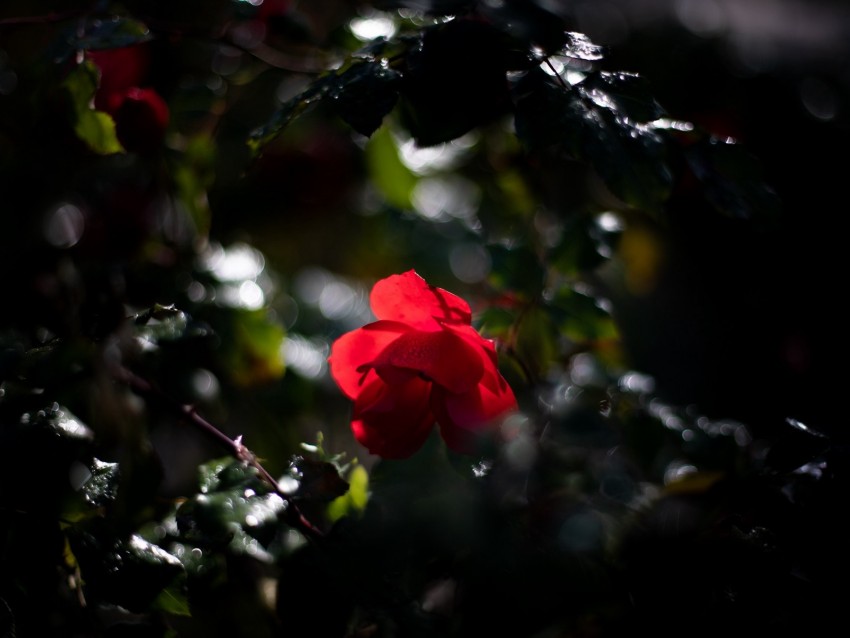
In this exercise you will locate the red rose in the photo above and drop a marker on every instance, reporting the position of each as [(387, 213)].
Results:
[(421, 362), (141, 115)]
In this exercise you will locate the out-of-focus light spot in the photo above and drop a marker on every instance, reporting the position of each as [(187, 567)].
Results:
[(337, 300), (236, 263), (205, 384), (678, 470), (78, 475), (308, 358), (288, 484), (586, 371), (372, 27), (702, 17), (521, 451), (251, 295), (249, 35), (253, 3), (64, 226), (610, 222), (226, 60), (819, 99), (246, 294), (667, 123), (470, 263), (482, 469), (443, 198), (637, 383), (196, 292), (309, 284), (424, 160)]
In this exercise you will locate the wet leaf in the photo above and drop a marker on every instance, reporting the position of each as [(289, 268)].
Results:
[(288, 111), (587, 124), (579, 47), (130, 572), (102, 487), (627, 93), (313, 480), (364, 93), (235, 509)]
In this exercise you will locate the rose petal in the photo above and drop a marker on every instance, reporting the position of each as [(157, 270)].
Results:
[(410, 299), (392, 421), (442, 357), (461, 416), (352, 354)]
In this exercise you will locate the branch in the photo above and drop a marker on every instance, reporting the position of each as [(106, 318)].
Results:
[(235, 446)]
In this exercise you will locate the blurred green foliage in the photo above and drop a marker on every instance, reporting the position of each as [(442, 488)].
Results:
[(164, 309)]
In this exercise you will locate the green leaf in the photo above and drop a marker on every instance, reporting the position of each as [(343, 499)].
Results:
[(353, 502), (173, 600), (516, 270), (581, 317), (389, 174), (235, 509), (95, 128), (251, 347)]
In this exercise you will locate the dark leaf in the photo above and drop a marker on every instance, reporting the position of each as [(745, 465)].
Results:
[(733, 180), (454, 81), (288, 111), (235, 509), (102, 487), (130, 572), (364, 94), (630, 157), (581, 317), (314, 480), (626, 93)]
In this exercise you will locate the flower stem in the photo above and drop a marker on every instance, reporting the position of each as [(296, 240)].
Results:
[(235, 446)]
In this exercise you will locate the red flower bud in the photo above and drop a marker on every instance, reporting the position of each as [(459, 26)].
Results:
[(421, 362), (141, 120)]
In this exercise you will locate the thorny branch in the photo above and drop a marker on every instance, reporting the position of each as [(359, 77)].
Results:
[(235, 446)]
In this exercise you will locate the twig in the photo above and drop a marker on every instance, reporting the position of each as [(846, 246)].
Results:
[(235, 446), (555, 71)]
